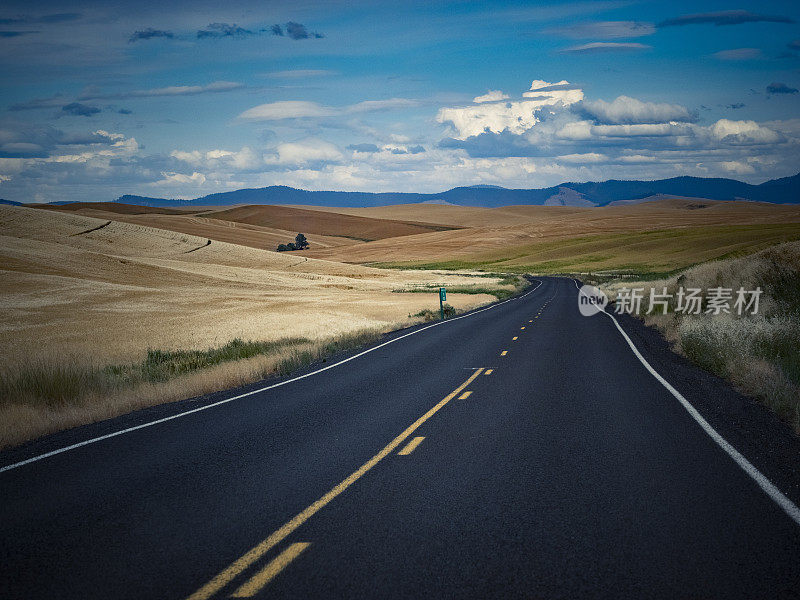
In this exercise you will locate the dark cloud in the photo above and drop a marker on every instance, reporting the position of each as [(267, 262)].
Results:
[(149, 34), (125, 111), (22, 150), (221, 30), (44, 19), (736, 105), (296, 31), (416, 150), (24, 141), (780, 88), (726, 17), (79, 110), (363, 148), (12, 34)]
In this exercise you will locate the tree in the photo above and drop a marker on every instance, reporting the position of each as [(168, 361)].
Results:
[(291, 246), (300, 242), (282, 247)]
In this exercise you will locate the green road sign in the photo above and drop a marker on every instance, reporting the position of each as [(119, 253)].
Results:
[(442, 294)]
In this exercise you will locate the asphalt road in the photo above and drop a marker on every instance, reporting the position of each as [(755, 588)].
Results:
[(519, 452)]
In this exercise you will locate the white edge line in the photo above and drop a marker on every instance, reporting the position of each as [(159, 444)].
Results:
[(250, 393), (789, 507)]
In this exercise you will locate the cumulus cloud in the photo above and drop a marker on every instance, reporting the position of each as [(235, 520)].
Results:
[(305, 152), (300, 109), (515, 116), (490, 96), (149, 34), (605, 47), (644, 137), (777, 87), (626, 110), (79, 110), (739, 54), (608, 30), (726, 17), (181, 179), (245, 159), (743, 132)]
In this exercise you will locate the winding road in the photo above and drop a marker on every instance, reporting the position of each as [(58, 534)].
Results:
[(519, 451)]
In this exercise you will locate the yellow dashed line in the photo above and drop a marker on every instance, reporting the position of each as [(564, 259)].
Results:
[(227, 575), (409, 448), (489, 371), (504, 352), (465, 395), (514, 338), (268, 573)]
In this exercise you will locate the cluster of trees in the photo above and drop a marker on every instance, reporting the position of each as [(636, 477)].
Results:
[(300, 243)]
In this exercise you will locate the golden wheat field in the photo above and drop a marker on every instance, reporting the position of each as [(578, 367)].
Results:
[(656, 236), (111, 290)]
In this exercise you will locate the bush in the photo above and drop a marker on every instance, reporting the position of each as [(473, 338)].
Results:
[(434, 315)]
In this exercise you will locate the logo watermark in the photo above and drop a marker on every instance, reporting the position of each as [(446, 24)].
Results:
[(688, 301), (591, 300)]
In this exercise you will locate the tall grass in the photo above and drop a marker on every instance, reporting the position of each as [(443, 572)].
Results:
[(50, 394), (759, 353)]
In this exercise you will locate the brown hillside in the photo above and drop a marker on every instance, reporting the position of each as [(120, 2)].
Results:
[(326, 223)]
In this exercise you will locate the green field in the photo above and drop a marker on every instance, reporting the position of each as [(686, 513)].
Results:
[(641, 253)]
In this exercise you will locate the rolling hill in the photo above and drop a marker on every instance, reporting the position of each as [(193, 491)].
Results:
[(783, 191)]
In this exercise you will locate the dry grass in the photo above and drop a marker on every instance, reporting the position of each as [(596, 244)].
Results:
[(79, 294), (654, 236), (52, 393), (759, 353), (327, 223), (122, 289)]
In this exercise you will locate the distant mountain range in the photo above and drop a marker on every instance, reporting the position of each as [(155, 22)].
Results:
[(785, 191)]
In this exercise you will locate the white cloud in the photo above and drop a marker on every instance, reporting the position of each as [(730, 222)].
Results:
[(626, 110), (306, 151), (181, 179), (589, 157), (376, 105), (286, 109), (607, 30), (490, 96), (738, 167), (298, 109), (743, 132), (513, 116), (173, 90), (604, 47)]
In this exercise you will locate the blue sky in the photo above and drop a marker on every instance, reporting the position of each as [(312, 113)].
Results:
[(182, 99)]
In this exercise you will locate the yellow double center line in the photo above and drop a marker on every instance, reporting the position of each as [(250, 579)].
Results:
[(257, 552)]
